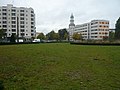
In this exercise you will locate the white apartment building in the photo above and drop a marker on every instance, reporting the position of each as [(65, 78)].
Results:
[(17, 20), (94, 30)]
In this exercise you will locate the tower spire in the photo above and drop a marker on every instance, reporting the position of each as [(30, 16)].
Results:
[(72, 16), (71, 21)]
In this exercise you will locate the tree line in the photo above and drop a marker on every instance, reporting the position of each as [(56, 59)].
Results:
[(113, 36), (62, 34)]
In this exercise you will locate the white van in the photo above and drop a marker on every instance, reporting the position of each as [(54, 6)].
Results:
[(20, 40), (36, 40)]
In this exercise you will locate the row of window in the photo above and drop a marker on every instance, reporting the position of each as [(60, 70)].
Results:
[(14, 14), (14, 26), (84, 34), (5, 22), (82, 29), (94, 23), (94, 26), (14, 30), (94, 36), (103, 29), (94, 33), (4, 17), (3, 13), (99, 23), (103, 36), (14, 10), (84, 25), (4, 9), (22, 18), (94, 30), (104, 26), (22, 30), (103, 33), (14, 18), (26, 11), (100, 30), (4, 26), (100, 33), (101, 26), (84, 37), (14, 22), (22, 22), (103, 22), (22, 34)]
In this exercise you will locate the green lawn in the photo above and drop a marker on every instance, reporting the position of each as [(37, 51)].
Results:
[(60, 66)]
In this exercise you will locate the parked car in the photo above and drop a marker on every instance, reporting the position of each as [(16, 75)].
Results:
[(36, 40)]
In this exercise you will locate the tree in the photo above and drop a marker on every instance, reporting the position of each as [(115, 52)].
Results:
[(41, 36), (117, 29), (12, 38), (56, 36), (51, 35), (2, 33), (66, 36), (77, 36), (111, 36), (63, 34)]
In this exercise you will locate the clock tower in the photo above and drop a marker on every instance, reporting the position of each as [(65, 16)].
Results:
[(71, 27)]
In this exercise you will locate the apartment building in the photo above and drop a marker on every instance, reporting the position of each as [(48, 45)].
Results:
[(19, 21), (94, 30)]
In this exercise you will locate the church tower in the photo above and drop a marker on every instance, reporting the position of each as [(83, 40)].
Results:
[(71, 27)]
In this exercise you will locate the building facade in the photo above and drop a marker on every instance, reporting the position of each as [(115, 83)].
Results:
[(94, 30), (19, 21)]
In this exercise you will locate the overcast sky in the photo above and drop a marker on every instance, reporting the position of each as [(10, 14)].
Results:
[(54, 14)]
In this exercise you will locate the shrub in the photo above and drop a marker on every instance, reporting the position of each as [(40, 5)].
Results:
[(1, 85)]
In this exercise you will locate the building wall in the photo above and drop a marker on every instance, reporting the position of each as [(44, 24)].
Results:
[(99, 29), (94, 30), (83, 29), (17, 20)]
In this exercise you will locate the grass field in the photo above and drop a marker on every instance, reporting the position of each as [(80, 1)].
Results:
[(60, 66)]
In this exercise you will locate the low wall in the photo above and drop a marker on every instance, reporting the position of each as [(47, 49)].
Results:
[(104, 44), (8, 43)]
